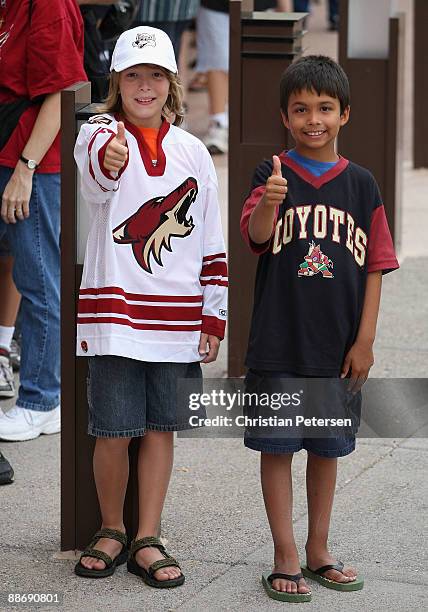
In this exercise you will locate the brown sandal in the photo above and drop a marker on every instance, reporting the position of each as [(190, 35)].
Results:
[(91, 551), (148, 575)]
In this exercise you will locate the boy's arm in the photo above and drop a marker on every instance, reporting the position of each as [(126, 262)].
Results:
[(214, 275), (360, 357), (381, 259), (95, 155), (263, 216)]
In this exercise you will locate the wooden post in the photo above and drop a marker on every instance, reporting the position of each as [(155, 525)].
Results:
[(420, 74), (262, 45), (72, 98), (373, 136)]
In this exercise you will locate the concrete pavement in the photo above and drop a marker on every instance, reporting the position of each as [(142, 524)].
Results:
[(214, 518)]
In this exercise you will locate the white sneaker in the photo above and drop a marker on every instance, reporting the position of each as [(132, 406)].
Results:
[(20, 424), (7, 383), (217, 138)]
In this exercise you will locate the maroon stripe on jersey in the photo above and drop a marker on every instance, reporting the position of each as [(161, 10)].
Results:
[(140, 296), (112, 306), (213, 326), (214, 281), (90, 145), (216, 256), (381, 253), (249, 205), (315, 181), (101, 155), (142, 326), (151, 170), (218, 268)]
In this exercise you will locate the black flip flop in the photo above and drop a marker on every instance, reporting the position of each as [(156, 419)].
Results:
[(111, 564), (267, 580), (354, 585), (148, 575)]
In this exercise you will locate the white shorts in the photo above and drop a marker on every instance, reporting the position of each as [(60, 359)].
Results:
[(212, 40)]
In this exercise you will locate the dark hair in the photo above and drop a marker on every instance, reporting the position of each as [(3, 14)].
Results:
[(319, 73)]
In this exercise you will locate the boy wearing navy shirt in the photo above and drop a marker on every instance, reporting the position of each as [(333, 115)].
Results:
[(318, 224)]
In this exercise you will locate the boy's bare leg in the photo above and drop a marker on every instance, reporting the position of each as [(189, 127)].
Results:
[(155, 460), (278, 495), (320, 483), (111, 471)]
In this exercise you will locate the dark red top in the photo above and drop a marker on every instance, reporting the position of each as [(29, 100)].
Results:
[(39, 55)]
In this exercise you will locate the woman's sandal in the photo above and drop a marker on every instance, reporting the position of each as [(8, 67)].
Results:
[(267, 580), (354, 585), (111, 564), (148, 575)]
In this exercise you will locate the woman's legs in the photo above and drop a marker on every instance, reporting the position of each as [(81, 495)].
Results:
[(9, 305), (11, 299), (35, 246), (111, 470), (155, 460), (278, 496)]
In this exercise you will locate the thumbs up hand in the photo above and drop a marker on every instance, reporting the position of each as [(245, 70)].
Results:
[(276, 185), (116, 152)]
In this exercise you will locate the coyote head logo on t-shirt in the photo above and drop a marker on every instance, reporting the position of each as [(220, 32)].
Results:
[(156, 222)]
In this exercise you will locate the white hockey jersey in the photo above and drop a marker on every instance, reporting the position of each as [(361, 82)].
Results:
[(155, 272)]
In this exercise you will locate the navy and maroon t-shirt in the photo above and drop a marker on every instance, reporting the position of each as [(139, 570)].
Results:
[(330, 231)]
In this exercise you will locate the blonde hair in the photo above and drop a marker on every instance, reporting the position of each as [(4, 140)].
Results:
[(172, 110)]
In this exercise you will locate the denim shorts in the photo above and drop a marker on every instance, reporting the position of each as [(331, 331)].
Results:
[(333, 447), (127, 397)]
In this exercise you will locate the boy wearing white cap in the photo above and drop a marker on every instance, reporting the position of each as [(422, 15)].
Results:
[(152, 301)]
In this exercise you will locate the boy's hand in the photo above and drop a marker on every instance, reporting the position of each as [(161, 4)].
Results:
[(209, 345), (276, 185), (358, 361), (117, 152)]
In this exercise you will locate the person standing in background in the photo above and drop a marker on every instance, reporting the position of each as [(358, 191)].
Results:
[(9, 305), (171, 17), (96, 60), (213, 59), (212, 35), (41, 52)]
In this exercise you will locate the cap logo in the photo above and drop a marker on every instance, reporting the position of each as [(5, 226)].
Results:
[(144, 40)]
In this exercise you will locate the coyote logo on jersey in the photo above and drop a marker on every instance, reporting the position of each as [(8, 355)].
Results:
[(156, 222), (315, 262)]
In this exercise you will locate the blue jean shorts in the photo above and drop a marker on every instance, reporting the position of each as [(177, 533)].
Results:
[(127, 397), (257, 381)]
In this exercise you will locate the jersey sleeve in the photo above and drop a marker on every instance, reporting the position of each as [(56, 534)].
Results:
[(214, 276), (381, 254), (97, 183), (261, 175)]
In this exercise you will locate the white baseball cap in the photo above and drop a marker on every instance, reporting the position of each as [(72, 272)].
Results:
[(143, 45)]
